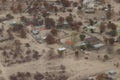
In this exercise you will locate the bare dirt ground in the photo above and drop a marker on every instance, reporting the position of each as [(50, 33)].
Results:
[(76, 68)]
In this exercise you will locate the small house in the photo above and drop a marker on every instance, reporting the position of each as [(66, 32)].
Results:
[(36, 34), (94, 42), (67, 43)]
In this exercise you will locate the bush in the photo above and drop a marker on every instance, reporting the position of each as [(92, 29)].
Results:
[(106, 57), (118, 1), (23, 34), (83, 47), (113, 33), (118, 51), (27, 45), (89, 45)]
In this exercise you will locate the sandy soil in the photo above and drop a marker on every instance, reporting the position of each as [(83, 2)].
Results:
[(75, 67)]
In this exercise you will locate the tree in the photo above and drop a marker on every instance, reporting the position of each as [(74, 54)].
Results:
[(55, 9), (50, 39), (61, 20), (102, 27), (54, 31), (109, 11), (23, 19), (91, 22), (74, 37), (63, 68), (89, 45), (9, 16), (36, 55), (65, 3), (10, 34), (45, 13), (46, 5), (2, 78), (50, 53), (17, 27), (38, 76), (69, 19), (111, 41), (75, 26), (82, 37), (19, 7), (27, 45), (101, 76), (111, 26), (13, 77), (17, 43), (13, 9), (105, 40), (118, 51), (110, 49), (75, 4), (113, 33), (4, 1), (118, 1), (23, 34), (106, 57)]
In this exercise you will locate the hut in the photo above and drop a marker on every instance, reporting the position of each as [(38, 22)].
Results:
[(94, 43), (67, 43), (92, 40)]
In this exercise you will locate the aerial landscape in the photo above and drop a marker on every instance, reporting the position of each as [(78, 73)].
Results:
[(59, 39)]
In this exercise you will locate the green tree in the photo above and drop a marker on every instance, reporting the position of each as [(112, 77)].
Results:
[(82, 37)]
